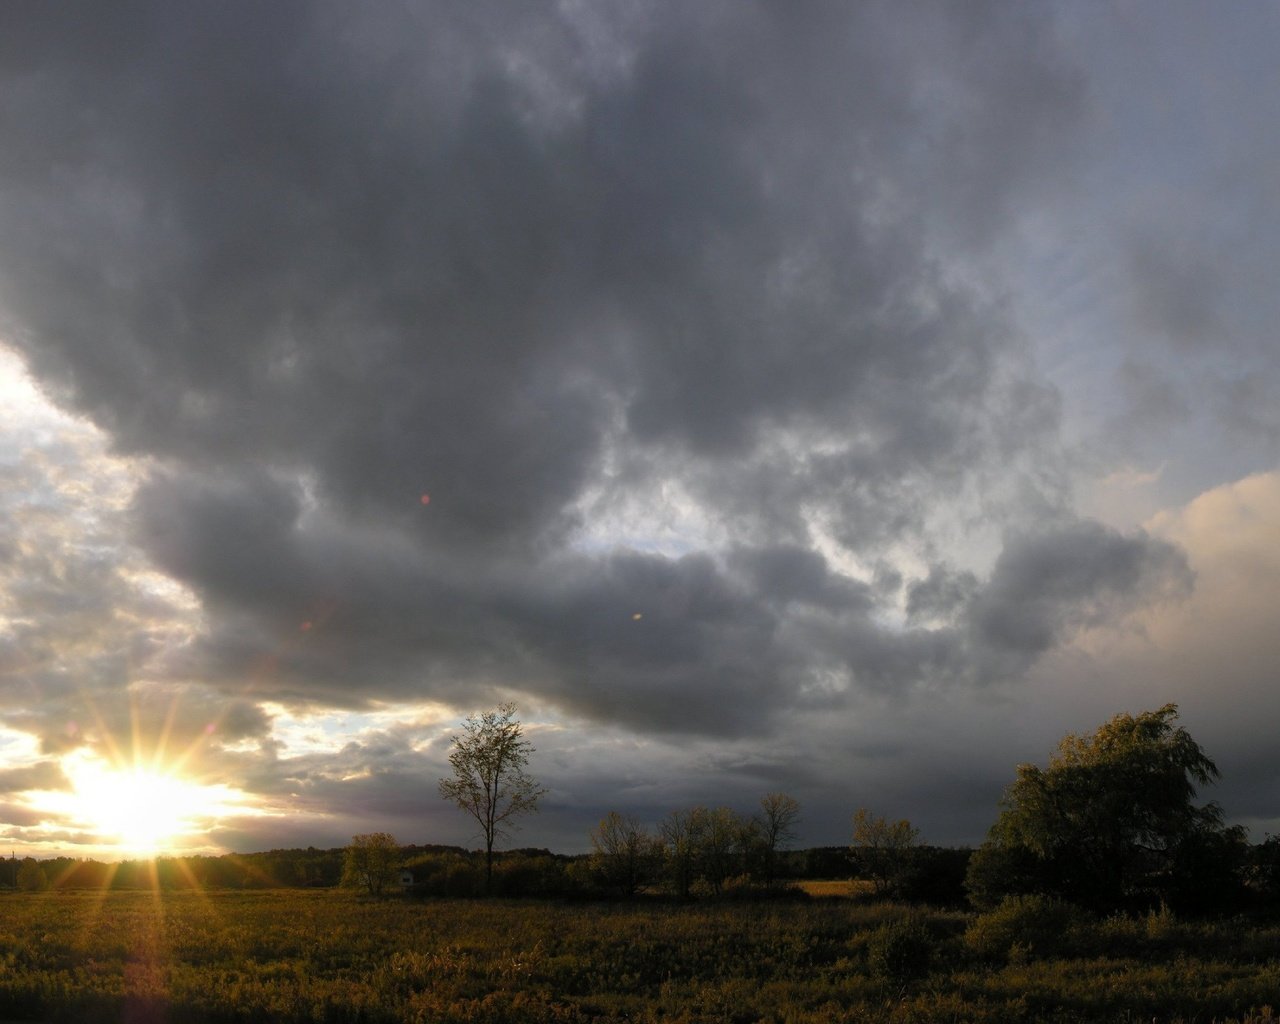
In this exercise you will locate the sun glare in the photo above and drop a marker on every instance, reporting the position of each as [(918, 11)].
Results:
[(140, 810)]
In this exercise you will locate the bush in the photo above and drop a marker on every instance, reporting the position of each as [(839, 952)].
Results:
[(446, 874), (900, 952), (1026, 926), (936, 876), (520, 874), (995, 872)]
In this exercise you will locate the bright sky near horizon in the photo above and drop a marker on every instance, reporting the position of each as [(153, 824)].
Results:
[(842, 400)]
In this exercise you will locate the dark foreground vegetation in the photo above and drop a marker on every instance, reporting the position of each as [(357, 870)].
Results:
[(333, 956)]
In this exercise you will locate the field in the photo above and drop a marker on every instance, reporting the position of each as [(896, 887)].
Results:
[(317, 956), (835, 888)]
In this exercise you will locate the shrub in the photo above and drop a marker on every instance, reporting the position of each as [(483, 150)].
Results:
[(1037, 925), (519, 874), (900, 952), (446, 874), (936, 876)]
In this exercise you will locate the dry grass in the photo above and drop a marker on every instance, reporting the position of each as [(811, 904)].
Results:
[(835, 887), (308, 957)]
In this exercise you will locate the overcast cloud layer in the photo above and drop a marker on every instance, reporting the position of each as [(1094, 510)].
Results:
[(839, 399)]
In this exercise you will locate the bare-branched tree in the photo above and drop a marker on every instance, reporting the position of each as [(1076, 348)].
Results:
[(490, 780)]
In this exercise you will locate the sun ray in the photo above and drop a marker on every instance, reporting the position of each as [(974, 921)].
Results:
[(138, 806)]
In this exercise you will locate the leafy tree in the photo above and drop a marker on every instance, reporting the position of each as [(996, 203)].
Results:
[(1111, 823), (623, 853), (1263, 869), (882, 850), (31, 876), (777, 827), (372, 862), (490, 781), (681, 833), (720, 835)]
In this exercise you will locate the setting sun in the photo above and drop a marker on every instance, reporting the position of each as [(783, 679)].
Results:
[(143, 811), (139, 810)]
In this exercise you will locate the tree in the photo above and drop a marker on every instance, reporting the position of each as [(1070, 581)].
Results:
[(624, 854), (882, 850), (372, 862), (1111, 823), (490, 781), (777, 827), (31, 876), (681, 833), (720, 833)]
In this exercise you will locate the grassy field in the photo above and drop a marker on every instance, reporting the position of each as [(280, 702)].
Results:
[(320, 956), (843, 888)]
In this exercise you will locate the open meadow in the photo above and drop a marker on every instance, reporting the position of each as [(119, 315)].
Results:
[(330, 956)]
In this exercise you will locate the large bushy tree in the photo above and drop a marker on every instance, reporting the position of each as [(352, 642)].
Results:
[(1112, 823)]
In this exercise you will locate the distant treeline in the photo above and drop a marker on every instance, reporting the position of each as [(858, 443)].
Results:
[(923, 874), (436, 870), (273, 869)]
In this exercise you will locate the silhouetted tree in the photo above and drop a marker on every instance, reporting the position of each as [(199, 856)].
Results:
[(681, 833), (882, 850), (623, 853), (778, 816), (720, 835), (1111, 823), (490, 781)]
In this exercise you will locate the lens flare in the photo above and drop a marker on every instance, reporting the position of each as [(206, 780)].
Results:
[(138, 810)]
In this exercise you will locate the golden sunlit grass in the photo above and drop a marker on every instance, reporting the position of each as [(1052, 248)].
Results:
[(307, 955), (828, 888)]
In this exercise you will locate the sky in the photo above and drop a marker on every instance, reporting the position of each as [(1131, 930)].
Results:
[(844, 400)]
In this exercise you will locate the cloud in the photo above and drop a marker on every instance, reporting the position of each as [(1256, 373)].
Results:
[(1177, 291), (315, 277), (648, 363), (940, 594), (1212, 651), (1071, 576)]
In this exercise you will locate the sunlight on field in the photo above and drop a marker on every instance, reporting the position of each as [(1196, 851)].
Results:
[(828, 888), (308, 955)]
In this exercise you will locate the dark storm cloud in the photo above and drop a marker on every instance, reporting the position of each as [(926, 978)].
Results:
[(1075, 575), (1046, 584), (940, 594), (404, 302), (787, 573)]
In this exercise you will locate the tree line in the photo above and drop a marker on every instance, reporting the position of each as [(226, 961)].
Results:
[(1110, 824)]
